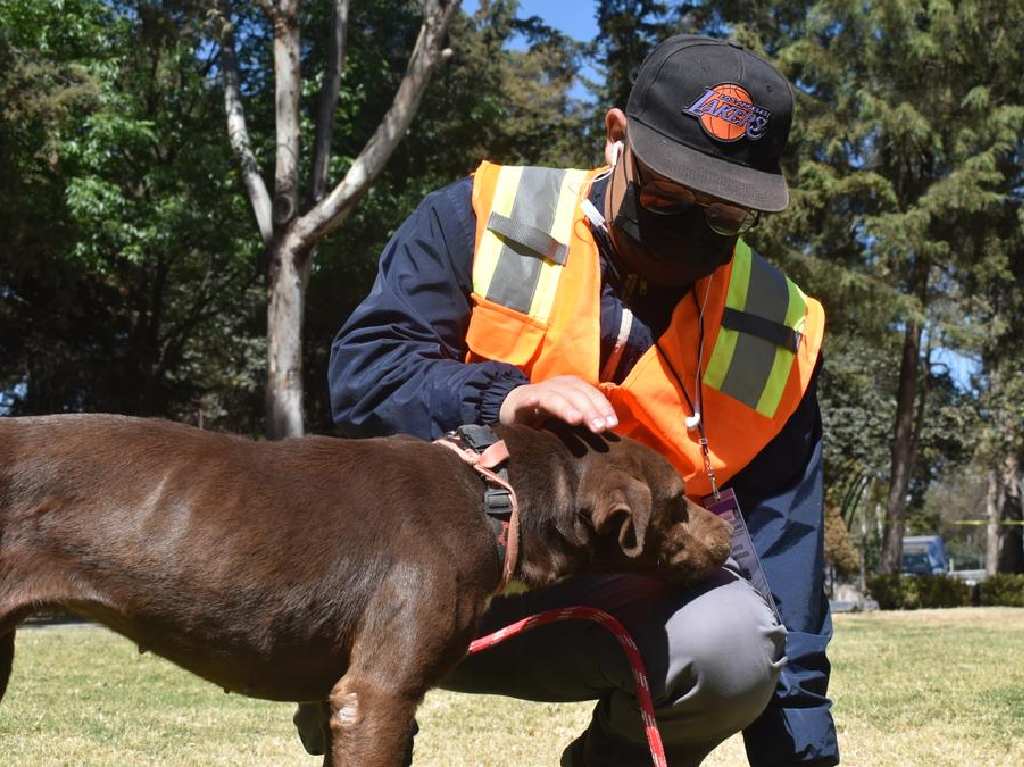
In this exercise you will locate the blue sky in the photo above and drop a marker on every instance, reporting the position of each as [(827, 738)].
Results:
[(574, 17)]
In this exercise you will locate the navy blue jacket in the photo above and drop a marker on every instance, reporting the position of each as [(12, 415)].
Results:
[(397, 365)]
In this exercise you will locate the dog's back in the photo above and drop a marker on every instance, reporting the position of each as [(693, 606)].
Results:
[(220, 553)]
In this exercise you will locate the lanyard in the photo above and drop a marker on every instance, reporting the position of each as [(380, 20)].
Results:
[(698, 418), (631, 285)]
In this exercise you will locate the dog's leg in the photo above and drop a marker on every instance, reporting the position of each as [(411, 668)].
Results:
[(312, 721), (6, 660), (371, 721)]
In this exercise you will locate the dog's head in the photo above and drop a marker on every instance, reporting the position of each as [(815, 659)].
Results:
[(633, 515), (613, 506)]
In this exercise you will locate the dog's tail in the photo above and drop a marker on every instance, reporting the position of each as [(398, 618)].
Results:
[(6, 660)]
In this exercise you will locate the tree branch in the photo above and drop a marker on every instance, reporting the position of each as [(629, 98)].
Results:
[(238, 131), (331, 211), (287, 87), (329, 93)]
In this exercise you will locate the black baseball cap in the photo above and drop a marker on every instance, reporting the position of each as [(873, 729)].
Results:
[(712, 116)]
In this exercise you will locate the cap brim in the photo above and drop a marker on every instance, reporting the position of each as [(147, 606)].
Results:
[(751, 188)]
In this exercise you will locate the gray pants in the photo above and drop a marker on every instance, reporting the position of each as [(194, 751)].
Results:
[(713, 655), (712, 652)]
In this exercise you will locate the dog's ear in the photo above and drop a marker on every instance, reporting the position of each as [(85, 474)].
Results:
[(620, 504)]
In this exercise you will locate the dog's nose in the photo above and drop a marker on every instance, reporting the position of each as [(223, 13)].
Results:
[(700, 545)]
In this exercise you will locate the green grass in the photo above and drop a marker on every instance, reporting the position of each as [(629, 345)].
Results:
[(930, 688)]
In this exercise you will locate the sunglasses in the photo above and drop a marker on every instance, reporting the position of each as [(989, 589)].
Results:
[(665, 198)]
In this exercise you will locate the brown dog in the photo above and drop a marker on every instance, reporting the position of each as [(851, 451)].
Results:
[(352, 571)]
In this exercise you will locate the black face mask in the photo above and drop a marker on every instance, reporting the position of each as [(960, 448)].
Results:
[(682, 238)]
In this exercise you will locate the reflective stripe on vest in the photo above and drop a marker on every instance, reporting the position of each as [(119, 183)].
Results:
[(760, 334), (521, 254)]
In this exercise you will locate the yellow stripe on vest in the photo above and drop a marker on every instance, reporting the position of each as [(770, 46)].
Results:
[(725, 345), (749, 362), (486, 259), (783, 362), (561, 231)]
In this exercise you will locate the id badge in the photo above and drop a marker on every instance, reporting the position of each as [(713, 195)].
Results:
[(728, 508)]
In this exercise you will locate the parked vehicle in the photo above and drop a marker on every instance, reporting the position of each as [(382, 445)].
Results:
[(924, 555)]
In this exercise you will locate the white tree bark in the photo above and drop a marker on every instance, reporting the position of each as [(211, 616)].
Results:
[(287, 276), (238, 131), (286, 272), (994, 506), (287, 87)]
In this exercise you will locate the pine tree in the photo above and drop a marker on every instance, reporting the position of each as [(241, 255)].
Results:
[(904, 156)]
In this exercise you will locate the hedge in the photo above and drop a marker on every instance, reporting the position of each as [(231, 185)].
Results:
[(1002, 591), (911, 592)]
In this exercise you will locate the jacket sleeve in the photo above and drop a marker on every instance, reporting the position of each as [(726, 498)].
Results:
[(780, 494), (397, 364)]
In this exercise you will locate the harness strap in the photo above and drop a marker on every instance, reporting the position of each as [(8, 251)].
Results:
[(480, 447)]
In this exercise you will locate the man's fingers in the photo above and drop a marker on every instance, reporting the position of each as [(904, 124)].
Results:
[(566, 398), (599, 414), (586, 405), (565, 405)]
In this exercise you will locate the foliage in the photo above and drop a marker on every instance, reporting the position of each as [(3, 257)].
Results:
[(839, 550), (1002, 590), (905, 162), (904, 165), (629, 29), (912, 592), (135, 282), (142, 302)]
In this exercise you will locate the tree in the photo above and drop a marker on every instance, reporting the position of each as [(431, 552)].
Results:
[(998, 302), (901, 152), (627, 31), (839, 551), (290, 231), (130, 281), (503, 95)]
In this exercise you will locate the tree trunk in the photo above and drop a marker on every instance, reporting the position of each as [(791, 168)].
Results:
[(1005, 549), (1011, 555), (287, 87), (287, 276), (902, 451), (994, 512)]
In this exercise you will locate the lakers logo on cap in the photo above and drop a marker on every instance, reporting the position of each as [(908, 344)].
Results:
[(727, 113)]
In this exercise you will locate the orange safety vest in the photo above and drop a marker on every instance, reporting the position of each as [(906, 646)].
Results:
[(537, 305)]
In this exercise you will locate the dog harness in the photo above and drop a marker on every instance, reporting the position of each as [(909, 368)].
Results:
[(482, 449)]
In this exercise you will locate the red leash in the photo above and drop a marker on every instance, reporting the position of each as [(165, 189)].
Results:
[(643, 691)]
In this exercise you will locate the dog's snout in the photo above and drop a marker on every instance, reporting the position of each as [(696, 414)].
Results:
[(701, 543)]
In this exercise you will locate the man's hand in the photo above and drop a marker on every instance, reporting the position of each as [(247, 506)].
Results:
[(567, 398)]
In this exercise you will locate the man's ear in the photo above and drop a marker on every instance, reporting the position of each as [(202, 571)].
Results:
[(620, 505), (615, 133)]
